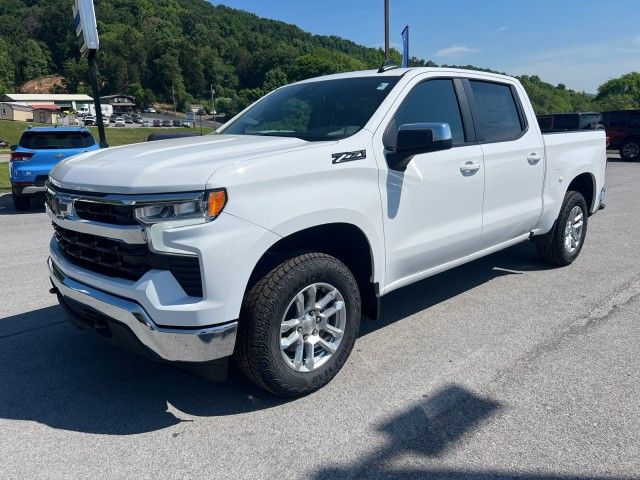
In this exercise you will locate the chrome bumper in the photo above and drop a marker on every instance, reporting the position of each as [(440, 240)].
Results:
[(170, 344)]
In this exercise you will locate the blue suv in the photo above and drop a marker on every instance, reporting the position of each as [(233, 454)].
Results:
[(38, 151)]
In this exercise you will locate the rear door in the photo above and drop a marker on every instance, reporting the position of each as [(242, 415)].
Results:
[(513, 161)]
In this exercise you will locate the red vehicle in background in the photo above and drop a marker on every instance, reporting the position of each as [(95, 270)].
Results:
[(623, 132)]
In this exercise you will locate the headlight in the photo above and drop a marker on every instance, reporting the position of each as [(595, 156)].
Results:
[(202, 209)]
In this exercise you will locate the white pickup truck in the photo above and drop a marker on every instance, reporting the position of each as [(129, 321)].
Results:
[(268, 240)]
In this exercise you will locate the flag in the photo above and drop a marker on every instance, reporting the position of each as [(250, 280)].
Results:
[(405, 47)]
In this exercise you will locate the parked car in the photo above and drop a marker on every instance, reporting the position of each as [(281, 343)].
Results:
[(112, 118), (565, 122), (137, 118), (127, 118), (177, 122), (146, 123), (249, 254), (623, 130), (3, 143), (186, 124), (157, 123), (119, 122), (37, 152), (149, 110), (89, 120), (167, 123)]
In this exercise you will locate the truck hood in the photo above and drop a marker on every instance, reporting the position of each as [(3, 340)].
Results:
[(183, 164)]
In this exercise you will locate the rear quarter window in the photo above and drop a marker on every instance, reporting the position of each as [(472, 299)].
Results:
[(56, 140), (497, 111)]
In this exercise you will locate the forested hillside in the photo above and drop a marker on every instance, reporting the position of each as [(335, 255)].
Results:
[(155, 48)]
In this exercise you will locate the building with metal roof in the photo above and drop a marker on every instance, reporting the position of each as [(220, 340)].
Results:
[(62, 100)]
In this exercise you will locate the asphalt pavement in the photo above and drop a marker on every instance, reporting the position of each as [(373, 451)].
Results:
[(503, 368)]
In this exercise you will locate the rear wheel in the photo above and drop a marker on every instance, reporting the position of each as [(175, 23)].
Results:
[(299, 324), (630, 150), (562, 245), (20, 202)]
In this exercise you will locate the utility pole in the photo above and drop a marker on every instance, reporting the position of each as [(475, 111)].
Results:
[(173, 94), (387, 55), (213, 106), (93, 74)]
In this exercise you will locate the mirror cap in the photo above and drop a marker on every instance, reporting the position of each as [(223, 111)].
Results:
[(424, 137)]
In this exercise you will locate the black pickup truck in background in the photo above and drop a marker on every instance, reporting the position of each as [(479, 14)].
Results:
[(568, 122), (623, 131)]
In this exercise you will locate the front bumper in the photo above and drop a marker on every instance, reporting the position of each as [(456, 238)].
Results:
[(117, 318)]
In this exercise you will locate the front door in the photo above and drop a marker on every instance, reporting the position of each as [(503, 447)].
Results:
[(433, 210)]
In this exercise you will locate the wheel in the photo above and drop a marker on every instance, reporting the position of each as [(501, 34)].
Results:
[(562, 245), (298, 325), (630, 150), (20, 202)]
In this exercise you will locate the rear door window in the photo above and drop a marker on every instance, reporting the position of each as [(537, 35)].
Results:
[(615, 119), (497, 111), (634, 120), (56, 140)]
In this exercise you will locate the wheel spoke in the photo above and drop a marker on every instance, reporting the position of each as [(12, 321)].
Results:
[(328, 346), (288, 341), (311, 297), (309, 359), (300, 304), (335, 332), (326, 300), (327, 314), (297, 360), (289, 324)]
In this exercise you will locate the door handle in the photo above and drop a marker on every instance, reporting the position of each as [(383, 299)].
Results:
[(534, 158), (469, 168)]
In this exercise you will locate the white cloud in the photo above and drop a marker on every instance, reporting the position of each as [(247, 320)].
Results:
[(455, 51), (499, 30), (581, 67)]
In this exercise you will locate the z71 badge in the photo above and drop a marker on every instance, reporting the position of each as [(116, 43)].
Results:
[(348, 156)]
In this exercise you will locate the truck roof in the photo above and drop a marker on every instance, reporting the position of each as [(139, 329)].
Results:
[(398, 72)]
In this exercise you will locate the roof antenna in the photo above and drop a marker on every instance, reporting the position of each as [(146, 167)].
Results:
[(388, 63)]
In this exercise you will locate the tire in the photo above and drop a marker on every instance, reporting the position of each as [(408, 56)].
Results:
[(20, 202), (630, 150), (553, 246), (272, 300)]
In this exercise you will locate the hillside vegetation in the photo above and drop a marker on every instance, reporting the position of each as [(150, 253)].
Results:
[(158, 49)]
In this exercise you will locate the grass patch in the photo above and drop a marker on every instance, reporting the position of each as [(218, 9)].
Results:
[(124, 136), (5, 185)]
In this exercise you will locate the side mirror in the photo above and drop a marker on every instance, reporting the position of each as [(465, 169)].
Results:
[(415, 138), (13, 148)]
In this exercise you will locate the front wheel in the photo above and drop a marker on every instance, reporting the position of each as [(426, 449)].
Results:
[(562, 245), (299, 324)]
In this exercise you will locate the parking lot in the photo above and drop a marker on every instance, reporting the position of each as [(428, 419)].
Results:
[(502, 368)]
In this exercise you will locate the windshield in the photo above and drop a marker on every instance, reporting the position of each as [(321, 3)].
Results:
[(56, 140), (314, 111)]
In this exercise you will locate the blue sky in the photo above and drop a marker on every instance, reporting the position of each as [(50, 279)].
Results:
[(581, 43)]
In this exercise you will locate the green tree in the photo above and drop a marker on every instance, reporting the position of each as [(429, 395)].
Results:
[(274, 78)]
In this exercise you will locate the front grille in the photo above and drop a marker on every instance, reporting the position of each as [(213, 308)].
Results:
[(105, 212), (116, 258)]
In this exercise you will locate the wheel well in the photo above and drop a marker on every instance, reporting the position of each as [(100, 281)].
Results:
[(584, 185), (344, 241)]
